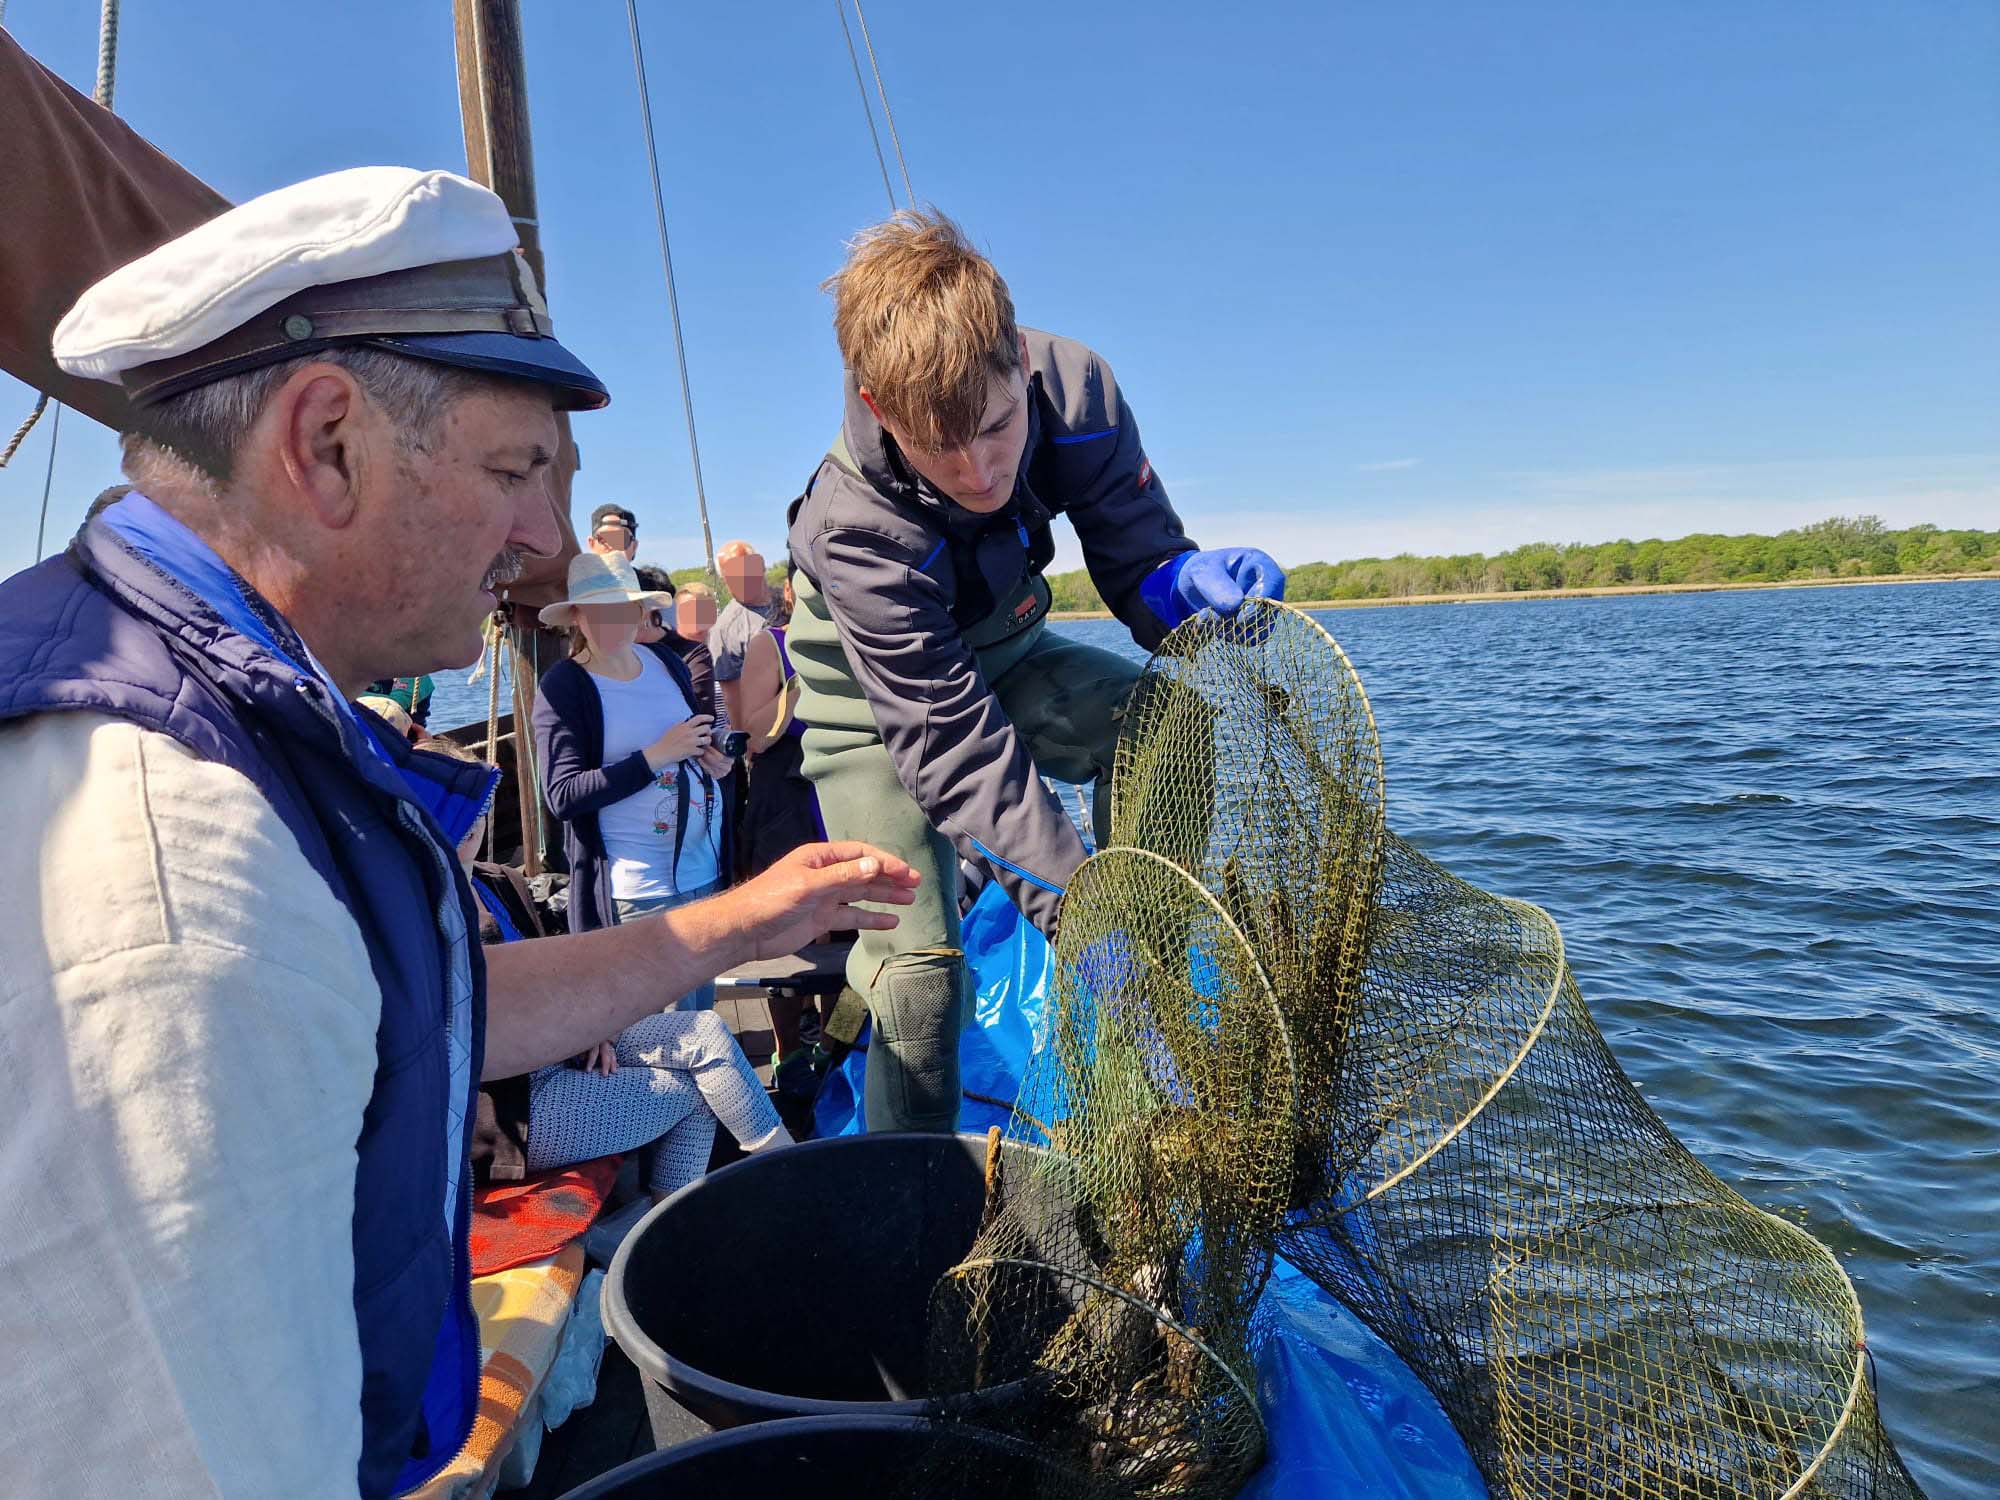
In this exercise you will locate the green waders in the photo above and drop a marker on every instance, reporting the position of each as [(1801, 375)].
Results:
[(1065, 700)]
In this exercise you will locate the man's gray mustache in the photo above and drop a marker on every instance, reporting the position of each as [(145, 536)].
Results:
[(506, 567)]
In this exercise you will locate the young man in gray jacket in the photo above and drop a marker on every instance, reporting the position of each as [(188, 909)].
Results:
[(935, 699)]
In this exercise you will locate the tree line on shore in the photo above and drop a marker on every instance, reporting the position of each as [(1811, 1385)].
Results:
[(1840, 547)]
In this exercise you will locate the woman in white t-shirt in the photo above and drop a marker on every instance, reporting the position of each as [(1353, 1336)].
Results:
[(626, 761)]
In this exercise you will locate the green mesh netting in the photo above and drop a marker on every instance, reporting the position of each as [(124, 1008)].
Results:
[(1275, 1028)]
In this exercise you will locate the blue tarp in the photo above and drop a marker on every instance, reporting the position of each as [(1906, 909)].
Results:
[(1010, 965), (1344, 1415)]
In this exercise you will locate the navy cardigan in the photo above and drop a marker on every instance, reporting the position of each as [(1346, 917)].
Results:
[(569, 742)]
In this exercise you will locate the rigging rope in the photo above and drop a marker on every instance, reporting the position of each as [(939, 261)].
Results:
[(48, 479), (526, 741), (494, 630), (27, 426), (107, 77), (840, 9), (887, 114), (527, 775), (107, 51), (673, 298)]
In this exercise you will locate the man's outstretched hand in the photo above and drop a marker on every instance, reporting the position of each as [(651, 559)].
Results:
[(812, 891), (550, 998)]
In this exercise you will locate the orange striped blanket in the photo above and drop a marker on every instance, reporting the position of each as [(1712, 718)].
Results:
[(522, 1314)]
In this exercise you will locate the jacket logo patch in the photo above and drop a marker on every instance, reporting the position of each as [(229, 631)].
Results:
[(1145, 471)]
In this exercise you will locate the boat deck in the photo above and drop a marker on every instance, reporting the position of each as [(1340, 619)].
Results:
[(749, 1018)]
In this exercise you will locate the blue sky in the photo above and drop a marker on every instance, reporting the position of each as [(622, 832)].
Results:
[(1427, 277)]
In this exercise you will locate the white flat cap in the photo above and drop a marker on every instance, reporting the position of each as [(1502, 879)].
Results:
[(418, 262)]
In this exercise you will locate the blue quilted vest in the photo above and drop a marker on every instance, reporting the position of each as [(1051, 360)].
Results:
[(105, 629)]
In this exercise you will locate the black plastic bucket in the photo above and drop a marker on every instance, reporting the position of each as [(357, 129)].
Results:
[(798, 1282), (871, 1457)]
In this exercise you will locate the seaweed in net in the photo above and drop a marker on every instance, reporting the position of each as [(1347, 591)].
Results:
[(1276, 1028)]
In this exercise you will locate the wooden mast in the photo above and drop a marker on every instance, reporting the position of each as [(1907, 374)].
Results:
[(499, 152), (493, 103)]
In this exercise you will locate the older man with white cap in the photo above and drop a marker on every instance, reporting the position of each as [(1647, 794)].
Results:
[(243, 1018)]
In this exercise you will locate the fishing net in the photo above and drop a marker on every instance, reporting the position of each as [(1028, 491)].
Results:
[(1112, 1287), (1277, 1029)]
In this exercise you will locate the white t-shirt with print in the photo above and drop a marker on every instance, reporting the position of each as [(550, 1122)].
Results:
[(639, 832)]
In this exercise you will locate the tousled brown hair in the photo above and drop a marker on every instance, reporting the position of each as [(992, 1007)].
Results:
[(925, 323)]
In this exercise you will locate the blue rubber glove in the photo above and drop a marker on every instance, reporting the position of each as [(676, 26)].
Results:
[(1219, 579)]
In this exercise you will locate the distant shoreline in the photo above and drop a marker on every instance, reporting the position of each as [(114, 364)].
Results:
[(1609, 591)]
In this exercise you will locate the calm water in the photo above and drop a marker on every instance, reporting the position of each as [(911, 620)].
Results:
[(455, 701), (1769, 824)]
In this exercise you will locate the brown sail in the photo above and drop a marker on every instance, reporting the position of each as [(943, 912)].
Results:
[(85, 194)]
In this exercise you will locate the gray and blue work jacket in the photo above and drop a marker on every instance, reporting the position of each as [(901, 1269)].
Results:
[(915, 584)]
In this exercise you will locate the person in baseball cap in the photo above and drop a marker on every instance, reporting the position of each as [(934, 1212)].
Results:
[(613, 528), (244, 949)]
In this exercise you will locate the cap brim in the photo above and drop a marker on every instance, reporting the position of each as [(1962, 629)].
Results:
[(543, 361)]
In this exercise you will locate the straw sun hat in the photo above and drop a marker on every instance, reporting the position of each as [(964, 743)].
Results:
[(389, 710), (601, 578)]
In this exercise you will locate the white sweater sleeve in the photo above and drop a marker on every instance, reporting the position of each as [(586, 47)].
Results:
[(187, 1043)]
